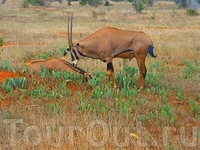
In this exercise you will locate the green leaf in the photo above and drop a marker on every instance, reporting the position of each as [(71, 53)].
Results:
[(100, 104), (192, 103)]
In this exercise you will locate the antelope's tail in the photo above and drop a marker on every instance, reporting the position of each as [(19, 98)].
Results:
[(150, 50)]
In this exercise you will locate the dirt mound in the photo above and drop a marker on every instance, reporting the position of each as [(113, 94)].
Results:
[(7, 74), (73, 87)]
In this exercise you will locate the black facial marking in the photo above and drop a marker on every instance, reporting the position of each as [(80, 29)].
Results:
[(110, 67), (72, 57), (75, 54), (80, 53)]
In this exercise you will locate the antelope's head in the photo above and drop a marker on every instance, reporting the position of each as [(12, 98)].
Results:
[(72, 48)]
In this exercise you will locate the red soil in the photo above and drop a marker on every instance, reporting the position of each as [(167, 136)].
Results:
[(70, 85), (11, 45), (7, 74), (73, 87)]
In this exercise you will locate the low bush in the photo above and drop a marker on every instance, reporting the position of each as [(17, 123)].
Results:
[(192, 12)]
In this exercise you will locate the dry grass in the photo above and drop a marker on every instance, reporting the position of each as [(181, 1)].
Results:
[(29, 32)]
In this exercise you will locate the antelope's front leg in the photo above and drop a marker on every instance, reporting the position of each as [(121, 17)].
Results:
[(110, 72)]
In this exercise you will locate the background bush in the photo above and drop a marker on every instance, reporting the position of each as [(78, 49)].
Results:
[(25, 4)]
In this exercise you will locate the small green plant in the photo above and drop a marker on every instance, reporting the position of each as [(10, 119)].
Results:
[(57, 74), (6, 86), (167, 114), (198, 135), (133, 92), (1, 42), (198, 96), (123, 107), (43, 56), (197, 62), (24, 94), (1, 97), (142, 118), (83, 105), (37, 93), (188, 70), (180, 95), (94, 14), (12, 83), (97, 93), (141, 102), (43, 72), (94, 81), (192, 12), (194, 107), (55, 107), (151, 115), (6, 66), (5, 114), (153, 17), (171, 147), (108, 92)]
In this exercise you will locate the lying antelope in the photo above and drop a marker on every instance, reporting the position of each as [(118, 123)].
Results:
[(108, 43), (56, 64)]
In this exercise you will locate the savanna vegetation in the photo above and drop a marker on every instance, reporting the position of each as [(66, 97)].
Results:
[(57, 110)]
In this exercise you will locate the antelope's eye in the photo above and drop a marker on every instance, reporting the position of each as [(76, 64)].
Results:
[(68, 49)]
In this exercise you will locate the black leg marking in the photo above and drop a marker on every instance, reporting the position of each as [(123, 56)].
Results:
[(144, 74), (110, 67)]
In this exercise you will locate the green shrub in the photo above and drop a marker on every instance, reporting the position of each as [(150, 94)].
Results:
[(25, 4), (107, 3), (69, 2), (140, 6), (94, 3), (38, 2), (83, 2), (192, 12)]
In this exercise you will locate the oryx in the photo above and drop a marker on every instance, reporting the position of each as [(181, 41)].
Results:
[(108, 43)]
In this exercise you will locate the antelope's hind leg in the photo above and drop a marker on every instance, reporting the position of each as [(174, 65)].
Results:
[(143, 71), (110, 72)]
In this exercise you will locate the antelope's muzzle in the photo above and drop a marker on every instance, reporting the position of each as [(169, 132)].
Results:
[(65, 53)]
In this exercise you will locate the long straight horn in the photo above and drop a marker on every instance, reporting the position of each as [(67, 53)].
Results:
[(71, 29), (68, 31), (70, 19)]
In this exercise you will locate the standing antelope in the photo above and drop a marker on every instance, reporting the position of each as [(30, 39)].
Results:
[(108, 43)]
